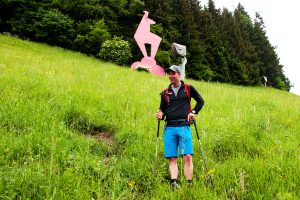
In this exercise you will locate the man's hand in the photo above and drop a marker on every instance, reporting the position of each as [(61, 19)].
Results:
[(191, 117), (159, 114)]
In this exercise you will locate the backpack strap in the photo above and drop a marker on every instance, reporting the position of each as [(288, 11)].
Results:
[(166, 96), (187, 90)]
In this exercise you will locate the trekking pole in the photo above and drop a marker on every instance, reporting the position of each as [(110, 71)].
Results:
[(203, 153), (156, 149)]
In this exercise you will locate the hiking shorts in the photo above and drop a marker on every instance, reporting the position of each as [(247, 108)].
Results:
[(177, 138)]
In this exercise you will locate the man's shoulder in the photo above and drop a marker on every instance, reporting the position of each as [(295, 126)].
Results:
[(191, 88), (164, 91), (167, 88), (189, 85)]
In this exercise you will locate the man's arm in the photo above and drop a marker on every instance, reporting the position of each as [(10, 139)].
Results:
[(199, 100), (162, 108)]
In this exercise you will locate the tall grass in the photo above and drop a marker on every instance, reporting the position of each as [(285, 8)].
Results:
[(53, 103)]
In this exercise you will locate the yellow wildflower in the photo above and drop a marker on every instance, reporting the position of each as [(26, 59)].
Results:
[(211, 171), (131, 184)]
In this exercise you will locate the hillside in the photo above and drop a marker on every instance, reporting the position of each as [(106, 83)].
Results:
[(73, 127), (223, 46)]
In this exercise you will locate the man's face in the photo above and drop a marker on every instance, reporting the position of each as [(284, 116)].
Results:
[(174, 77)]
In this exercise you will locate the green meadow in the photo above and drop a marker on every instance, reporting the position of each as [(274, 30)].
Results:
[(74, 127)]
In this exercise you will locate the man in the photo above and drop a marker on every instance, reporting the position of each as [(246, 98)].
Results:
[(175, 106)]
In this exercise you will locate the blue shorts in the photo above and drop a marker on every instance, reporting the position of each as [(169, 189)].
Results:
[(179, 137)]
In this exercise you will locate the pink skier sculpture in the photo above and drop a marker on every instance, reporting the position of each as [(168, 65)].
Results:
[(143, 36)]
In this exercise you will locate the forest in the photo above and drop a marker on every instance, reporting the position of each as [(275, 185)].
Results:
[(222, 45)]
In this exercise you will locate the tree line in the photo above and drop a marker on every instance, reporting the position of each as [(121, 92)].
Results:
[(222, 45)]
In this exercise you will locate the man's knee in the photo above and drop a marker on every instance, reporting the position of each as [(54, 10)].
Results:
[(173, 161), (188, 159)]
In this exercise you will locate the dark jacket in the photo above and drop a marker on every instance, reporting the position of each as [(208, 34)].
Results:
[(178, 108)]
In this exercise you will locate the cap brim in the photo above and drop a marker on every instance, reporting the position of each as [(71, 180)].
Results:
[(168, 70)]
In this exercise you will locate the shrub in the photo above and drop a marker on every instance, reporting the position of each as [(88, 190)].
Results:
[(116, 50), (163, 58), (22, 24), (90, 36), (279, 84), (54, 27)]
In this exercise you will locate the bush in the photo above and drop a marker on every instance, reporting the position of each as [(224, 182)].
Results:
[(163, 58), (22, 24), (116, 50), (279, 84), (91, 36), (54, 28)]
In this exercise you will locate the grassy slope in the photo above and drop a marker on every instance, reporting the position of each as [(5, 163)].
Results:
[(50, 99)]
